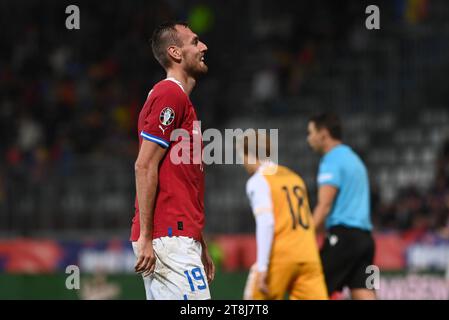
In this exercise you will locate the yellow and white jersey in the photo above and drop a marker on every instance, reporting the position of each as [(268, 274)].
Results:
[(283, 194)]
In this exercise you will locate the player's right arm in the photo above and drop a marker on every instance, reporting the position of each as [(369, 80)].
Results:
[(166, 105), (146, 172)]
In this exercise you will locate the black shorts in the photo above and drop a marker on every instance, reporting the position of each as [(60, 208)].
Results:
[(346, 254)]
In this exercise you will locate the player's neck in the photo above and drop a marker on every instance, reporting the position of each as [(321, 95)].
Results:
[(330, 145), (252, 168), (187, 82)]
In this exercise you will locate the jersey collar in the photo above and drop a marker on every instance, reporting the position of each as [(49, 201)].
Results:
[(265, 164), (177, 82)]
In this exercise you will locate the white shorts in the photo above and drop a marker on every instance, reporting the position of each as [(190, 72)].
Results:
[(179, 273)]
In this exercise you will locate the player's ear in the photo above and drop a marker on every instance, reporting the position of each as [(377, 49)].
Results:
[(175, 53)]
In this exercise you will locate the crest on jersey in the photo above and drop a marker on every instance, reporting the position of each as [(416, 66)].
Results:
[(167, 116)]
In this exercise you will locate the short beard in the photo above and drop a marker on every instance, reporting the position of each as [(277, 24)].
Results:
[(197, 73)]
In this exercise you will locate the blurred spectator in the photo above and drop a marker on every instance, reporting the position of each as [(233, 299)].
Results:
[(265, 85), (409, 206), (29, 135)]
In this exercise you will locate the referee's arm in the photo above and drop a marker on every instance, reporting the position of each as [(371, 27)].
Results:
[(326, 196)]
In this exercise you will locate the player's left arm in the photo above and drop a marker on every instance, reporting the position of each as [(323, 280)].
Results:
[(259, 194), (264, 240), (326, 197), (208, 263)]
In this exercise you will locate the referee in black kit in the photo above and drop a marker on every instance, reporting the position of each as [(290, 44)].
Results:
[(344, 204)]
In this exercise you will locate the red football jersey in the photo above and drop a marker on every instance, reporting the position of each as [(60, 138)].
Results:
[(179, 205)]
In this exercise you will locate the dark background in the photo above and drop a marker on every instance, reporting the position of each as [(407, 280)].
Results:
[(69, 103)]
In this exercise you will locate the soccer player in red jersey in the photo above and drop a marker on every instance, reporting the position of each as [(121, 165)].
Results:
[(169, 217)]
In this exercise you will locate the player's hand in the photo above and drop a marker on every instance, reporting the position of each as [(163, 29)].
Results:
[(146, 260), (262, 282), (208, 264)]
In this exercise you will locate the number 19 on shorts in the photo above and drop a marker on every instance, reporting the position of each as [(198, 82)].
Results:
[(197, 275)]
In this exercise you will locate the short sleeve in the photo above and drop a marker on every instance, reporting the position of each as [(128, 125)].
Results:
[(166, 105), (329, 174), (259, 194)]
